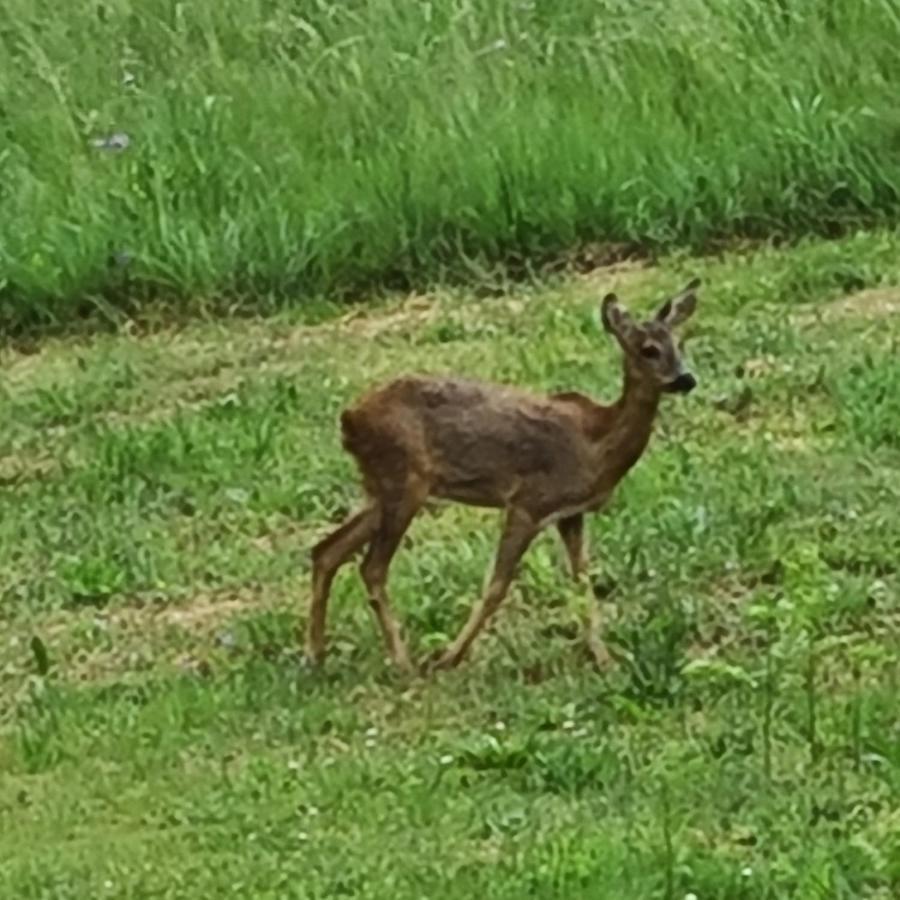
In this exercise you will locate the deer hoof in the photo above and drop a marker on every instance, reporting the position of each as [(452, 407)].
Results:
[(403, 664), (600, 657), (312, 658), (437, 662)]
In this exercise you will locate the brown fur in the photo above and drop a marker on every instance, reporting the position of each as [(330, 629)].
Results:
[(542, 458)]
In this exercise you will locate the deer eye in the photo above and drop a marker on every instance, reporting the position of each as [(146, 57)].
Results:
[(650, 352)]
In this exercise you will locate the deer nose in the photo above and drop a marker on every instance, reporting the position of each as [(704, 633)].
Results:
[(683, 384)]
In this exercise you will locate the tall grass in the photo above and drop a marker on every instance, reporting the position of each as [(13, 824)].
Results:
[(286, 149)]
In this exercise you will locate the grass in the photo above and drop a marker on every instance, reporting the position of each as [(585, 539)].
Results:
[(281, 153), (159, 498)]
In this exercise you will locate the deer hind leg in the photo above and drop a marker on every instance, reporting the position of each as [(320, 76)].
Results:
[(327, 557), (518, 532), (571, 530), (396, 515)]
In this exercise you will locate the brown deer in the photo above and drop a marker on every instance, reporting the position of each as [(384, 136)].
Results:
[(542, 459)]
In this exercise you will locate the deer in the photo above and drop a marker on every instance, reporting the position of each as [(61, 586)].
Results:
[(542, 459)]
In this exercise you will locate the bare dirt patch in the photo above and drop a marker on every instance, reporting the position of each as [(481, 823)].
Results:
[(412, 313), (18, 468), (868, 305), (117, 643)]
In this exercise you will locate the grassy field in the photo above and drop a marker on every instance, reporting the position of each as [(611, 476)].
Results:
[(280, 151), (160, 494)]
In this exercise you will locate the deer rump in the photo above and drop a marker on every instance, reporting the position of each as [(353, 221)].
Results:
[(478, 444)]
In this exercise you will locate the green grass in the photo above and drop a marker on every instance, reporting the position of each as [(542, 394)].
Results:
[(281, 152), (159, 498)]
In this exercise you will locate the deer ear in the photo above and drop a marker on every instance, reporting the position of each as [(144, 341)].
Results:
[(681, 307), (615, 318)]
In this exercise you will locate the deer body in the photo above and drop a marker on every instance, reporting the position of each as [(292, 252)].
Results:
[(498, 446), (543, 459)]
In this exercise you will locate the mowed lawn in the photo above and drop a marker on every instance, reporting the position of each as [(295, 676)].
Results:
[(159, 497)]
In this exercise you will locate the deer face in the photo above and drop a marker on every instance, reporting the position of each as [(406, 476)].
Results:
[(650, 347)]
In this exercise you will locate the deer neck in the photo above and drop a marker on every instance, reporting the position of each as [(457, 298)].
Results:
[(632, 420)]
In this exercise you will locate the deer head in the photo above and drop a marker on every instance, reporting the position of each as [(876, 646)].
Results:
[(651, 350)]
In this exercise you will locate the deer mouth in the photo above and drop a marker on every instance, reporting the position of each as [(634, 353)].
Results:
[(683, 384)]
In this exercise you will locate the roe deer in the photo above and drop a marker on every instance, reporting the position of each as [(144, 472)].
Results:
[(542, 459)]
